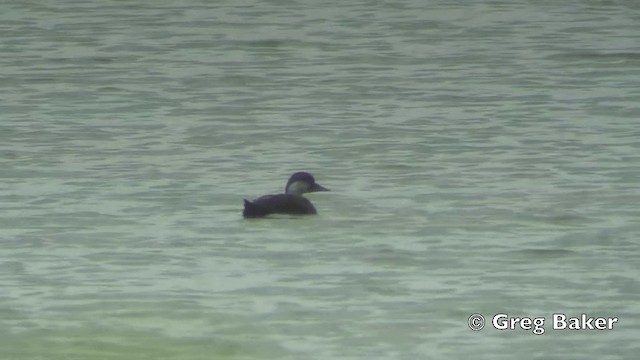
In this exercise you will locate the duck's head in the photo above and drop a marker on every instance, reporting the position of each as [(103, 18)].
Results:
[(302, 182)]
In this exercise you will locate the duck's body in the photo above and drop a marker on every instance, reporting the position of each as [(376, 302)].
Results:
[(291, 202), (278, 204)]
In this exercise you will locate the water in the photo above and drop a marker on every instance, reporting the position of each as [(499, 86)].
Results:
[(483, 158)]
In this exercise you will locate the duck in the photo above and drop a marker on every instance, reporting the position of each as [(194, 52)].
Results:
[(290, 202)]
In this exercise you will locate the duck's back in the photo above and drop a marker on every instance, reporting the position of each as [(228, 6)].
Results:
[(278, 204)]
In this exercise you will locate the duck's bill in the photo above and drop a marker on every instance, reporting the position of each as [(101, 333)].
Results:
[(318, 187)]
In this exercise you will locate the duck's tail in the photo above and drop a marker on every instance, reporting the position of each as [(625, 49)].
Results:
[(252, 210)]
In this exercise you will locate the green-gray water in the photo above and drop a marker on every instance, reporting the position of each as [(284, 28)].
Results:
[(483, 157)]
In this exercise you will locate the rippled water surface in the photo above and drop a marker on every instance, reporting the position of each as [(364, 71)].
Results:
[(483, 157)]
